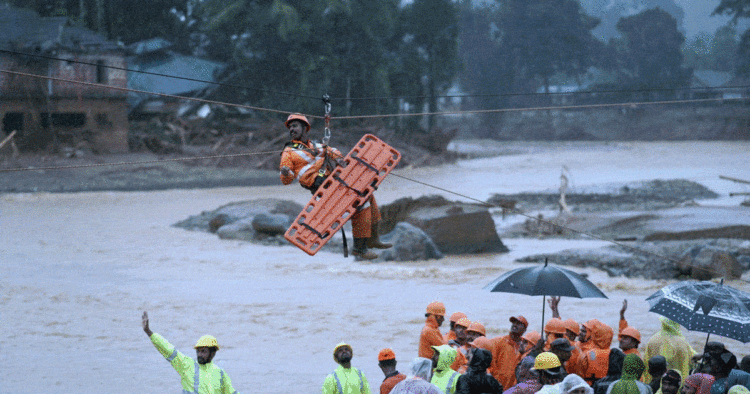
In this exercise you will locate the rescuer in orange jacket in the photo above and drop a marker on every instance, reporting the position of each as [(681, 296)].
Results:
[(311, 163), (508, 352), (629, 337), (595, 362), (430, 335)]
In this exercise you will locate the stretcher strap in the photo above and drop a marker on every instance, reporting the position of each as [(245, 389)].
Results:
[(373, 169), (313, 230), (359, 193)]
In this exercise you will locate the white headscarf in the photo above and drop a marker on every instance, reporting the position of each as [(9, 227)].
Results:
[(572, 382)]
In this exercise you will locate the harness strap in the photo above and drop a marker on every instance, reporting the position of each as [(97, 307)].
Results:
[(361, 382)]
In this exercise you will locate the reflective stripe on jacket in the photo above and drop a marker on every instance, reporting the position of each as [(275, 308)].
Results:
[(305, 160), (346, 381), (196, 378)]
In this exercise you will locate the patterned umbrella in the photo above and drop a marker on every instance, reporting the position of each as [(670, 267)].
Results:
[(705, 307), (545, 281)]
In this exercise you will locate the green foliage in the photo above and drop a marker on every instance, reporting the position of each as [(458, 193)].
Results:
[(717, 52), (649, 52), (738, 9), (548, 37)]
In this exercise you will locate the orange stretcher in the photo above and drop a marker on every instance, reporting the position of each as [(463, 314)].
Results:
[(345, 189)]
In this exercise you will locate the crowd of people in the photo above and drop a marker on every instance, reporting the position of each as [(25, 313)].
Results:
[(570, 358)]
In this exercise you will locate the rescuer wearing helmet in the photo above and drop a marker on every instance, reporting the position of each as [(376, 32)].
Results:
[(345, 379), (311, 163), (430, 335), (550, 371), (199, 377)]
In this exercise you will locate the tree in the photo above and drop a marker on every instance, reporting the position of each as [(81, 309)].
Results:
[(487, 74), (431, 31), (649, 51), (548, 37), (717, 52), (738, 9)]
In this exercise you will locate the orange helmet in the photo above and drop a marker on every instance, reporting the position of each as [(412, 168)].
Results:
[(571, 325), (554, 326), (457, 315), (484, 343), (386, 354), (299, 117), (463, 322), (436, 308), (476, 327), (631, 332), (532, 336)]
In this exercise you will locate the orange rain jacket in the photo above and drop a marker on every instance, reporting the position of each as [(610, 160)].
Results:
[(505, 359), (595, 362), (429, 337), (622, 326)]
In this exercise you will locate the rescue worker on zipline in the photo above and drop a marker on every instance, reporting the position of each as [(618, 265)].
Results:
[(198, 377), (311, 163)]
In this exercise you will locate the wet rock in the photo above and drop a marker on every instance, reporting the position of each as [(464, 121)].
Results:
[(705, 262), (477, 228), (241, 230), (272, 224), (440, 219), (410, 243), (213, 221)]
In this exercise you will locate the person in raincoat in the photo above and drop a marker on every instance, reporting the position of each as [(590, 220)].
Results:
[(387, 364), (574, 384), (452, 335), (443, 376), (594, 362), (614, 371), (345, 379), (632, 369), (311, 163), (199, 376), (476, 380), (508, 351), (418, 380), (670, 343), (698, 383), (430, 335)]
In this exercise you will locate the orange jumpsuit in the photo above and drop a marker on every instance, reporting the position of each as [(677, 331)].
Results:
[(505, 359), (308, 163), (429, 337)]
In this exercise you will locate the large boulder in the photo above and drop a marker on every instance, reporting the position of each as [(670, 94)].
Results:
[(237, 220), (409, 244), (456, 228), (459, 228), (705, 262)]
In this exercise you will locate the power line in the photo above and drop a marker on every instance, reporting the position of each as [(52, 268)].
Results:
[(582, 92), (157, 74)]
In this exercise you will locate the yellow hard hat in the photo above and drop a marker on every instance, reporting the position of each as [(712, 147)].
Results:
[(340, 345), (299, 117), (546, 360), (207, 341)]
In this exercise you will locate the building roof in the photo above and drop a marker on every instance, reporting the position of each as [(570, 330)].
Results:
[(25, 29)]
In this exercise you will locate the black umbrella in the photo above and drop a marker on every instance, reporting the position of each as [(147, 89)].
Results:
[(545, 281), (705, 307)]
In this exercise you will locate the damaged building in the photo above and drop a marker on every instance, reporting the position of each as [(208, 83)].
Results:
[(47, 112)]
